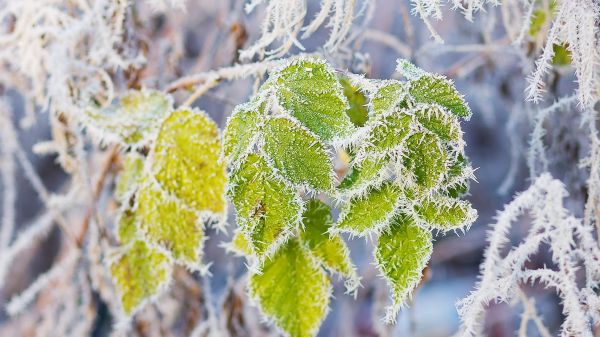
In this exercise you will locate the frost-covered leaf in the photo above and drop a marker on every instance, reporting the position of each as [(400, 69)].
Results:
[(241, 128), (329, 249), (292, 290), (439, 90), (133, 163), (358, 111), (240, 244), (364, 214), (167, 222), (140, 273), (445, 213), (442, 124), (126, 226), (426, 159), (267, 209), (297, 154), (186, 161), (388, 132), (387, 97), (134, 119), (368, 171), (402, 252), (309, 90)]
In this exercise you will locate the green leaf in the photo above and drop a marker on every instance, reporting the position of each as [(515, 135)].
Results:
[(387, 97), (358, 111), (241, 128), (292, 291), (426, 159), (445, 213), (442, 124), (562, 55), (134, 120), (369, 213), (166, 222), (437, 89), (389, 132), (309, 90), (402, 253), (129, 178), (187, 161), (239, 244), (297, 154), (267, 209), (365, 172), (329, 249), (140, 273)]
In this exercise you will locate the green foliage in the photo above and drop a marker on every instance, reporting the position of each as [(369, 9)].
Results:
[(407, 168), (402, 252), (297, 154), (292, 290), (267, 209), (308, 89)]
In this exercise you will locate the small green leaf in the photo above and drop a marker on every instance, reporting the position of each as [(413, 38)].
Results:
[(166, 222), (134, 120), (366, 172), (562, 55), (239, 244), (241, 128), (267, 209), (358, 111), (364, 214), (388, 132), (187, 161), (426, 160), (402, 253), (140, 273), (387, 97), (297, 154), (442, 124), (445, 213), (309, 90), (439, 90), (129, 178), (292, 291), (329, 249)]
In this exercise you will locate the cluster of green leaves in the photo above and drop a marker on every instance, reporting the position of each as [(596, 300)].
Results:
[(167, 196), (407, 172)]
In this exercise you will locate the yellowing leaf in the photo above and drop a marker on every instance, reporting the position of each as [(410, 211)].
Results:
[(134, 119), (166, 222), (267, 209), (297, 154), (439, 90), (329, 249), (370, 213), (187, 161), (140, 273), (241, 128), (309, 90), (127, 226), (292, 291), (402, 252), (129, 178)]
